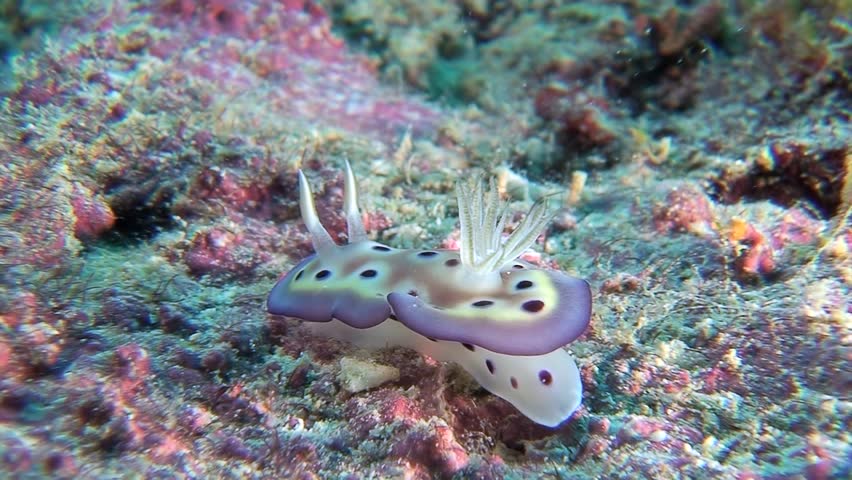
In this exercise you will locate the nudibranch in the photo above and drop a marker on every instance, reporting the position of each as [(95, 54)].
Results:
[(501, 319)]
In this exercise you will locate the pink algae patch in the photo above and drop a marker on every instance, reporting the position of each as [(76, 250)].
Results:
[(686, 209), (92, 215)]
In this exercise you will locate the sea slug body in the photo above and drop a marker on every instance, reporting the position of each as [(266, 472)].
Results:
[(503, 320)]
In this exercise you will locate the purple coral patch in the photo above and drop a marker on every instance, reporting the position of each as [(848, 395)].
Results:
[(567, 322), (319, 305)]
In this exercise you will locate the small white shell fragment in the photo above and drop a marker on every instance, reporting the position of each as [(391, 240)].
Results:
[(359, 375)]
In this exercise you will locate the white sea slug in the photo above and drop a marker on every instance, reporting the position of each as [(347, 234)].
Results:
[(503, 320)]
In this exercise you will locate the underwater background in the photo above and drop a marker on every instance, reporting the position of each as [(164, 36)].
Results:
[(697, 155)]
